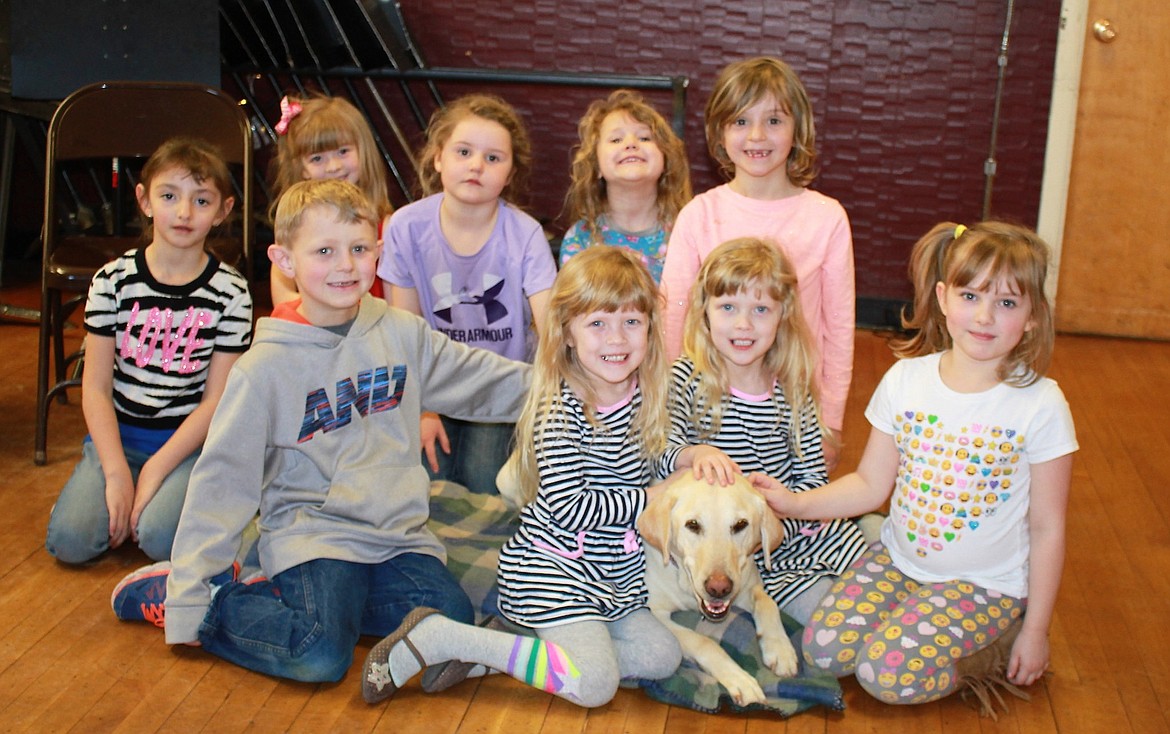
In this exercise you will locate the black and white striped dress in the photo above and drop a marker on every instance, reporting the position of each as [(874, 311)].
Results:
[(755, 433), (577, 555)]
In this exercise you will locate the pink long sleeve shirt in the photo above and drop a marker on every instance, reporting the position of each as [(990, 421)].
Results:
[(813, 231)]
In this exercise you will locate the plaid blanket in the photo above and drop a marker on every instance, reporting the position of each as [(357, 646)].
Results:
[(475, 526)]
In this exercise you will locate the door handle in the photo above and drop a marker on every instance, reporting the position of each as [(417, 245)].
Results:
[(1104, 31)]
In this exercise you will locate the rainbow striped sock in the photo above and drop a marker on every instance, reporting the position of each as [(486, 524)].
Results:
[(543, 665)]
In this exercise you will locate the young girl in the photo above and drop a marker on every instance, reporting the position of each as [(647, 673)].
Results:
[(164, 325), (325, 137), (629, 180), (745, 390), (594, 419), (759, 126), (472, 264), (976, 446)]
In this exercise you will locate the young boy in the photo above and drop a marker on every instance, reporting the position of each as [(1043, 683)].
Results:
[(318, 430)]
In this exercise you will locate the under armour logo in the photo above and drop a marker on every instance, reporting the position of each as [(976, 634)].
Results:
[(492, 308)]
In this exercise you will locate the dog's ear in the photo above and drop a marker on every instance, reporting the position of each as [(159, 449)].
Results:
[(654, 523), (771, 529)]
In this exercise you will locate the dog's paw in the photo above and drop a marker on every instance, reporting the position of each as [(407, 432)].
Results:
[(744, 688), (779, 655)]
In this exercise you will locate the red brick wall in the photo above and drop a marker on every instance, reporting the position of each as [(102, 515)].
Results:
[(903, 91)]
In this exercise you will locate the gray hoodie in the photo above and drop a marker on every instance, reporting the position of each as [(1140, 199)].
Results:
[(320, 433)]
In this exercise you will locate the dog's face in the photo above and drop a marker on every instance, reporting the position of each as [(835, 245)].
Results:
[(711, 533)]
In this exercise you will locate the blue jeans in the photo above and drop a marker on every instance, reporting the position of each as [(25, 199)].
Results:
[(303, 624), (79, 523), (478, 450)]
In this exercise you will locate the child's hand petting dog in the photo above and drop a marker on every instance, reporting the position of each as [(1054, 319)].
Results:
[(779, 498), (711, 464)]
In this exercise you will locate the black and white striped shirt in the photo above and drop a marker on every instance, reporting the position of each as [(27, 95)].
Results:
[(164, 335), (577, 555)]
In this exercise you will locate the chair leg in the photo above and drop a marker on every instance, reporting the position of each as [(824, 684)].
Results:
[(54, 316), (41, 437), (60, 364)]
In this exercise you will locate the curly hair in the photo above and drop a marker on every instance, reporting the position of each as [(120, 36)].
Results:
[(587, 195)]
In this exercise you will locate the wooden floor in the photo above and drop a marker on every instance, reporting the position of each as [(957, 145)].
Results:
[(67, 665)]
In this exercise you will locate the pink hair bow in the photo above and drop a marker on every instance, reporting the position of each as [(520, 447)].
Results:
[(288, 110)]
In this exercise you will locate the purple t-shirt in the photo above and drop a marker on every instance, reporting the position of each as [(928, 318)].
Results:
[(481, 299)]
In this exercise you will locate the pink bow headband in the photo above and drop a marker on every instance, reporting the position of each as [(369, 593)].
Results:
[(288, 110)]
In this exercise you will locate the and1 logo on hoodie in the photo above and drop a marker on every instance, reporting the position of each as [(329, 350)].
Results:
[(372, 394)]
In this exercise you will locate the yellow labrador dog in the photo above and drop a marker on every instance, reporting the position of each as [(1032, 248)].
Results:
[(700, 541)]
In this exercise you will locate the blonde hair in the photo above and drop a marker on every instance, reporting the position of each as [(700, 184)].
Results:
[(349, 202), (978, 257), (328, 123), (200, 158), (731, 268), (600, 278), (488, 107), (744, 83), (587, 196)]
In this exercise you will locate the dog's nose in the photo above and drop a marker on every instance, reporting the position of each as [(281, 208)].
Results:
[(718, 586)]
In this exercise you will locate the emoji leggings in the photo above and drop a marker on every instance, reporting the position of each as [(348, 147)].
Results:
[(901, 638)]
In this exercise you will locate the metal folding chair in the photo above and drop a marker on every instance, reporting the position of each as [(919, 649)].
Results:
[(98, 139)]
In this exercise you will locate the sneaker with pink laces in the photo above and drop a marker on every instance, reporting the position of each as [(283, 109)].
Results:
[(141, 595)]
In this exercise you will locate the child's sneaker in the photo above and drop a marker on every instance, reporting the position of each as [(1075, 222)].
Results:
[(141, 596)]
